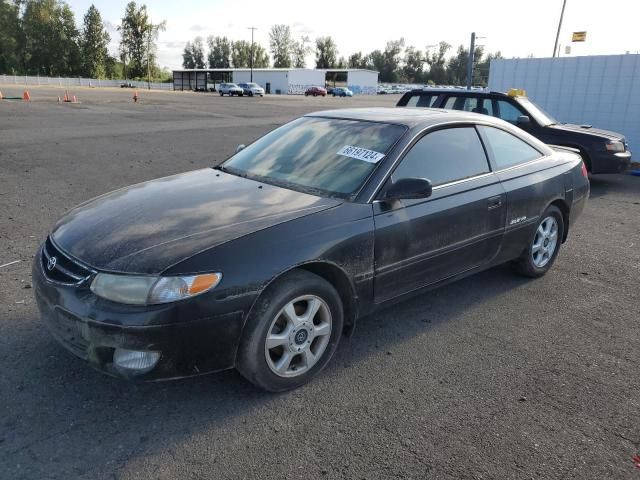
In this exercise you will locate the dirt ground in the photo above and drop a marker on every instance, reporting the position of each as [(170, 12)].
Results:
[(493, 377)]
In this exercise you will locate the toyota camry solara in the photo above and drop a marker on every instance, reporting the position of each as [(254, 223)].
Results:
[(263, 262)]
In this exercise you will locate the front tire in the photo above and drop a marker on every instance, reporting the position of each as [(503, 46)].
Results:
[(544, 245), (292, 332)]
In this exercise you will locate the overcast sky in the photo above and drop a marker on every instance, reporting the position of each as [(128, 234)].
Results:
[(516, 28)]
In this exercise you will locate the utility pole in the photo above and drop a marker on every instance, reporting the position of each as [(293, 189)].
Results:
[(472, 52), (251, 59), (555, 46)]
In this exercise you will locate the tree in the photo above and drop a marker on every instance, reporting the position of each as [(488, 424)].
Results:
[(198, 53), (281, 45), (358, 60), (437, 64), (413, 65), (260, 57), (52, 39), (138, 41), (93, 43), (241, 55), (299, 52), (11, 38), (326, 52), (219, 52), (187, 56)]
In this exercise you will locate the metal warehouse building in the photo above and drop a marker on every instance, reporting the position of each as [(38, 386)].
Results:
[(291, 81)]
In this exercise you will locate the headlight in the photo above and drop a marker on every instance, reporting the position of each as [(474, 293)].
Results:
[(615, 146), (139, 290)]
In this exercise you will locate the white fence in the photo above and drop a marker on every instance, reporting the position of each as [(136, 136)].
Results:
[(76, 82), (597, 90)]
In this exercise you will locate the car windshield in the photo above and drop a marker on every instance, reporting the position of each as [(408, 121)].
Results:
[(321, 156), (539, 115), (231, 85), (253, 85)]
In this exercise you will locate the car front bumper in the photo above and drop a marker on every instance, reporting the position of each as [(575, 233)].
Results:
[(609, 162), (190, 341)]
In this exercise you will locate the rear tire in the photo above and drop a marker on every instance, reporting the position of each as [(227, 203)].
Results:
[(292, 332), (544, 246)]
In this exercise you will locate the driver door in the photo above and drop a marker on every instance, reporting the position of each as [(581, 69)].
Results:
[(459, 227)]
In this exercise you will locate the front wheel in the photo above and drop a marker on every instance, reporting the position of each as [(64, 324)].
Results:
[(291, 333), (543, 248)]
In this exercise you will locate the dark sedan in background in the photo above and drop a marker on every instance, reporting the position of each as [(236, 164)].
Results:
[(603, 151), (264, 261), (315, 91)]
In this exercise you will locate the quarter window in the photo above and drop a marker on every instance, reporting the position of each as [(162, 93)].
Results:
[(444, 156), (467, 104), (507, 149)]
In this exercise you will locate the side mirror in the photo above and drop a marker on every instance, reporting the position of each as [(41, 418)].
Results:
[(409, 188), (523, 120), (240, 147)]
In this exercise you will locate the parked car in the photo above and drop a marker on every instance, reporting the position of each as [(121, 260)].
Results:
[(127, 85), (230, 89), (315, 91), (251, 89), (603, 151), (342, 92), (382, 90), (262, 262)]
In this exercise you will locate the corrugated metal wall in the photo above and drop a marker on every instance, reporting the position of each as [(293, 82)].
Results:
[(603, 90)]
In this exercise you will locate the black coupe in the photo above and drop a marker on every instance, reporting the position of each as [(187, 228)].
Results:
[(262, 262)]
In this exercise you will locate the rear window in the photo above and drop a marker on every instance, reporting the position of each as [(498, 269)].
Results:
[(422, 100)]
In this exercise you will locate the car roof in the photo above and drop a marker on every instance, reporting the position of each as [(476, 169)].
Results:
[(411, 117), (456, 90)]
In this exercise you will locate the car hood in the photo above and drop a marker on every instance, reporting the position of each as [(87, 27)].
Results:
[(148, 227), (587, 129)]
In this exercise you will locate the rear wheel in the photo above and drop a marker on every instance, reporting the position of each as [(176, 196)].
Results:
[(292, 332), (543, 248)]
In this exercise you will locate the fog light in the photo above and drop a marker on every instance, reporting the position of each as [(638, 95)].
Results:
[(134, 359)]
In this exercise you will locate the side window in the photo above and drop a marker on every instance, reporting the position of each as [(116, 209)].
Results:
[(508, 112), (507, 149), (422, 100), (444, 156), (468, 104)]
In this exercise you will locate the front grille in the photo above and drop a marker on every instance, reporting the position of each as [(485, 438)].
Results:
[(59, 267)]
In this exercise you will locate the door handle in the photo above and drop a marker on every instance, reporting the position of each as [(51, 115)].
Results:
[(494, 202)]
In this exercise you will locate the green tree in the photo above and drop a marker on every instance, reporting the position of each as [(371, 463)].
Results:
[(52, 38), (198, 53), (93, 43), (281, 45), (138, 41), (326, 52), (412, 70), (187, 56), (219, 52), (437, 62), (299, 52), (241, 54), (11, 38), (358, 60)]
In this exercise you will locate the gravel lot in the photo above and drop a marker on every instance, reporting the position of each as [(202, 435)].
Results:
[(492, 377)]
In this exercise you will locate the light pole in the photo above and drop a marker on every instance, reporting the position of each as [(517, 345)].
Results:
[(472, 52), (251, 59), (555, 46)]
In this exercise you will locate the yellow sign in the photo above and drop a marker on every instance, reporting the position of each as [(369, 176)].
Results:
[(579, 37), (517, 92)]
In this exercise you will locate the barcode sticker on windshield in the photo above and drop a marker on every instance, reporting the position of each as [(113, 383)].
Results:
[(361, 154)]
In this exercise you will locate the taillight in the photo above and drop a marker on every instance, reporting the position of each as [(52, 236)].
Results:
[(585, 174)]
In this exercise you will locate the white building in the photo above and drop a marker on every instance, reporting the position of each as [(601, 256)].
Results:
[(291, 81)]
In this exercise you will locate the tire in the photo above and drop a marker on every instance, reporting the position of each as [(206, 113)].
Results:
[(295, 293), (251, 94), (544, 246), (306, 94), (221, 94)]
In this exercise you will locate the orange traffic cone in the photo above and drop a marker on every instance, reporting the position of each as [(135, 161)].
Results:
[(135, 96), (66, 96), (74, 99), (25, 96)]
